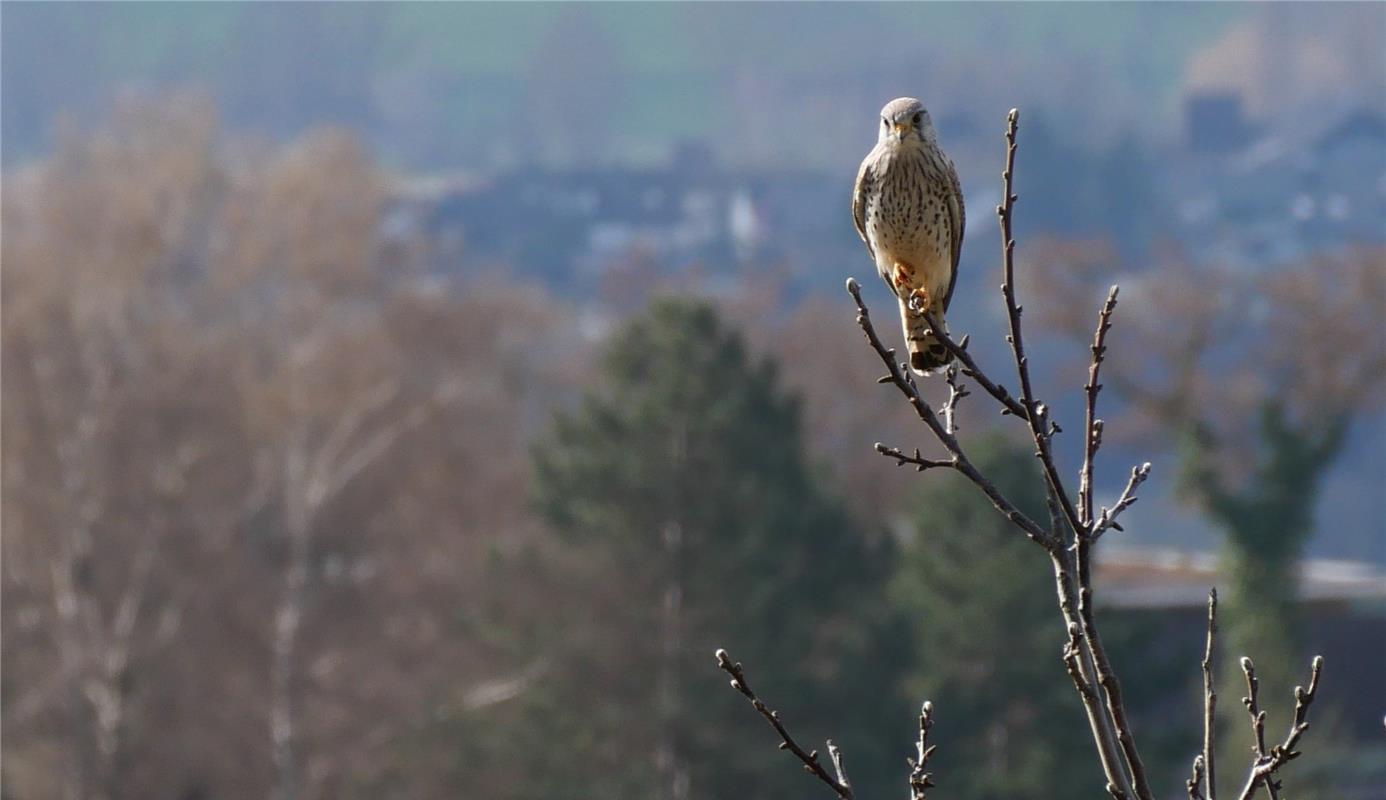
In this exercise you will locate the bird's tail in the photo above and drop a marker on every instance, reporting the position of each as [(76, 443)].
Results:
[(926, 352)]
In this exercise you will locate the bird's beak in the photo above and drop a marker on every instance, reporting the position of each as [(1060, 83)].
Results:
[(901, 130)]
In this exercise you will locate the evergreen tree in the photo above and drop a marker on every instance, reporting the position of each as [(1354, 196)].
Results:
[(691, 520)]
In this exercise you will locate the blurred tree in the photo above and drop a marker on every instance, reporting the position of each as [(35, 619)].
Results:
[(692, 520), (115, 427), (252, 473)]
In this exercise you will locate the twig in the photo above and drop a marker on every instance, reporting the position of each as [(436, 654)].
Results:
[(835, 754), (1196, 780), (907, 387), (956, 392), (920, 779), (902, 458), (1210, 697), (1092, 426), (840, 784), (1036, 414), (1107, 517), (1009, 405), (1258, 717), (1263, 771)]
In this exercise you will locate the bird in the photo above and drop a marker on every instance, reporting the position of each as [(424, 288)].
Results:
[(908, 208)]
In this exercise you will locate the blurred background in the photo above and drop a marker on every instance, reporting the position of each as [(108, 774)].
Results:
[(404, 400)]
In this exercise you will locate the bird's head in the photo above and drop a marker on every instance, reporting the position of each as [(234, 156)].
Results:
[(905, 119)]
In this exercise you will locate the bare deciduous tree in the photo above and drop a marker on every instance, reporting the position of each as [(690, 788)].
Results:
[(253, 473)]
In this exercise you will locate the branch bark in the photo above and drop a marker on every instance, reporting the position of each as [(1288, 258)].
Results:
[(1265, 766), (840, 785)]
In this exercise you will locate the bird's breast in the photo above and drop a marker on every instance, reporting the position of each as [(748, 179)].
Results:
[(907, 216)]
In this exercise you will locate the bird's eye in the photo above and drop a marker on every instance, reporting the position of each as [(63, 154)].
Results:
[(885, 122), (917, 117)]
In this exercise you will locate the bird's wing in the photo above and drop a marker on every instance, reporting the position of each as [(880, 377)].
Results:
[(957, 217), (865, 177)]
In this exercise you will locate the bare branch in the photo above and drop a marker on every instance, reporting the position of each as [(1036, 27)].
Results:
[(1107, 517), (350, 422), (1105, 675), (1078, 660), (1264, 769), (1210, 697), (1258, 717), (1009, 405), (901, 458), (1035, 410), (839, 784), (1092, 426), (926, 413), (920, 779), (956, 392)]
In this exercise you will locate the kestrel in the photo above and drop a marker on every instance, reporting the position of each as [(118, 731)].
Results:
[(908, 208)]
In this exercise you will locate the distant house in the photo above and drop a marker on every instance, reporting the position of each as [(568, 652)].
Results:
[(569, 226), (1274, 198), (1342, 607)]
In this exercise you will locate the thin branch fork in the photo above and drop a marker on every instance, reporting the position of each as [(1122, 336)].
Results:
[(1009, 405), (1267, 763), (1102, 671), (896, 375), (839, 784), (1092, 426), (1108, 516)]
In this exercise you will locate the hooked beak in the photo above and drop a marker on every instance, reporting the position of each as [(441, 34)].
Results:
[(900, 130)]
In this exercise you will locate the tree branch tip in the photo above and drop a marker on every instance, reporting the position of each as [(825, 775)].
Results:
[(852, 286)]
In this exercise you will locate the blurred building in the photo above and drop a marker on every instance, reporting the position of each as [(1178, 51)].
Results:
[(1279, 193), (569, 226), (1342, 606)]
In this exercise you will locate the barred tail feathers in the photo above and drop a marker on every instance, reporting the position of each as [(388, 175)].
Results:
[(927, 354)]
